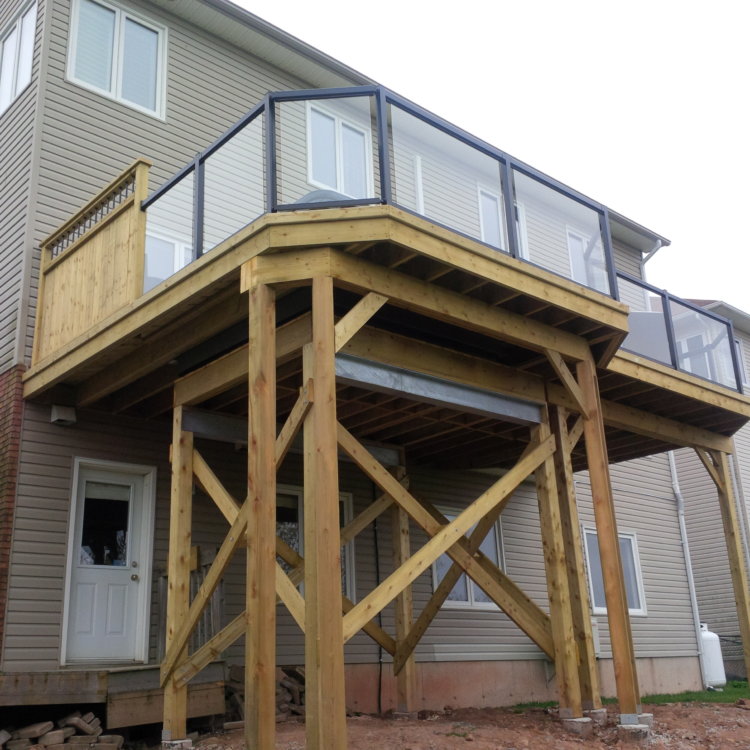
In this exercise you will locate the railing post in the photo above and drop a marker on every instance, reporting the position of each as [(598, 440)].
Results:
[(609, 254), (271, 195), (138, 224), (384, 151)]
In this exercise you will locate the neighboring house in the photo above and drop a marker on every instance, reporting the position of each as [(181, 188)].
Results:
[(476, 296)]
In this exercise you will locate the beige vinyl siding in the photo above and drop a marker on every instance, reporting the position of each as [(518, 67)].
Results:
[(16, 144), (645, 506), (627, 259)]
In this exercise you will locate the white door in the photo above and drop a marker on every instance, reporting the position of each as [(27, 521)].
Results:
[(109, 566)]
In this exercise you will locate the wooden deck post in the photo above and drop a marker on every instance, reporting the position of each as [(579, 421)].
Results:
[(178, 569), (588, 673), (406, 678), (566, 655), (733, 539), (623, 653), (260, 637), (324, 641)]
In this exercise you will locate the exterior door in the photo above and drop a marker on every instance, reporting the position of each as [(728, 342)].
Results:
[(109, 566)]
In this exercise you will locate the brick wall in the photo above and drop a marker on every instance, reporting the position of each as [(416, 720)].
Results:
[(11, 413)]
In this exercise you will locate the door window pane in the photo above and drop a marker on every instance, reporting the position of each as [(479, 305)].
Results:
[(104, 533), (323, 145), (354, 162), (491, 219), (95, 44), (140, 64)]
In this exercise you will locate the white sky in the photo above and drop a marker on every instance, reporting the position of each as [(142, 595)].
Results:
[(642, 105)]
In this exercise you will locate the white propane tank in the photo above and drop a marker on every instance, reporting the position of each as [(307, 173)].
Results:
[(712, 660)]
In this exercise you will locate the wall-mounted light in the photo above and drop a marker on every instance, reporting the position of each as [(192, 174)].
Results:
[(62, 415)]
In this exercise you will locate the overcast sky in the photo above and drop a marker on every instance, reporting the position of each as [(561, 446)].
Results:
[(641, 105)]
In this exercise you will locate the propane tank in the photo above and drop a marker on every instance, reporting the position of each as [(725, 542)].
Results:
[(713, 663)]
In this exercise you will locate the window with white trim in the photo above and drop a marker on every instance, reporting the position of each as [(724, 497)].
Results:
[(586, 260), (739, 349), (290, 528), (631, 569), (119, 54), (491, 218), (16, 56), (465, 593), (338, 153)]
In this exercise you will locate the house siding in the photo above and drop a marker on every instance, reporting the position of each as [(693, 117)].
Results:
[(16, 148)]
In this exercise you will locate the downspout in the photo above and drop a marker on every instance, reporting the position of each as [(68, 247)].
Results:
[(688, 565), (650, 254)]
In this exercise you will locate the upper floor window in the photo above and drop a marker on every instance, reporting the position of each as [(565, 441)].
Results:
[(338, 153), (118, 54), (16, 56), (465, 593), (631, 569)]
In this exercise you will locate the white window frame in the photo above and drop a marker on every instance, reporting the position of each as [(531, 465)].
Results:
[(16, 25), (347, 551), (339, 122), (522, 232), (180, 248), (451, 513), (115, 90), (631, 535), (498, 198), (589, 280)]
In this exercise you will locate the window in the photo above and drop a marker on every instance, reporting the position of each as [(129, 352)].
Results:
[(631, 569), (466, 593), (290, 528), (741, 360), (164, 257), (118, 54), (491, 219), (16, 56), (693, 355), (586, 260), (338, 154)]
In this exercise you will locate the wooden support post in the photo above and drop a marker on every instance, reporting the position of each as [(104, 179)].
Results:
[(324, 642), (178, 570), (623, 653), (558, 594), (733, 539), (588, 673), (406, 678), (260, 636)]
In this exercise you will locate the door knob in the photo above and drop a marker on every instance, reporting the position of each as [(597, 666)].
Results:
[(135, 577)]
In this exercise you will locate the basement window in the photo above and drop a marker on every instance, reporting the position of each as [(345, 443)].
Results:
[(119, 54), (631, 568), (290, 528), (465, 593), (16, 56)]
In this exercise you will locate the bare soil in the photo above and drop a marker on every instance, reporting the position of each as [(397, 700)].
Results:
[(677, 726)]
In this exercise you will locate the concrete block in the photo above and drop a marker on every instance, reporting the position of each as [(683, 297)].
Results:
[(4, 736), (597, 715), (64, 721), (33, 730), (82, 740), (81, 725), (111, 740), (581, 726), (89, 717), (19, 744), (634, 734), (647, 719), (55, 737)]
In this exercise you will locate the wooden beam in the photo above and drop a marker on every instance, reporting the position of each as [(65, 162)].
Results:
[(294, 422), (406, 679), (424, 298), (290, 596), (368, 515), (231, 370), (178, 570), (623, 653), (211, 650), (324, 644), (558, 590), (260, 597), (351, 323), (566, 378), (707, 459), (733, 538), (588, 670), (497, 585), (211, 485)]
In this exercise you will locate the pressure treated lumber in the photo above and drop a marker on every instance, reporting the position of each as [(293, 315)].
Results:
[(733, 538), (178, 570), (324, 643), (623, 653), (353, 321), (588, 671), (260, 597), (558, 590)]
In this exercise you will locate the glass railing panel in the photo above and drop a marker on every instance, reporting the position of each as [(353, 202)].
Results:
[(444, 179), (646, 321), (327, 150), (234, 185), (703, 345), (169, 233), (559, 233)]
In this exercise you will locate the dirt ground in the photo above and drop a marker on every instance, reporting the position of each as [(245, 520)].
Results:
[(677, 726)]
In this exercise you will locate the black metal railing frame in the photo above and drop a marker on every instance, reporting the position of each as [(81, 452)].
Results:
[(383, 97), (666, 300)]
